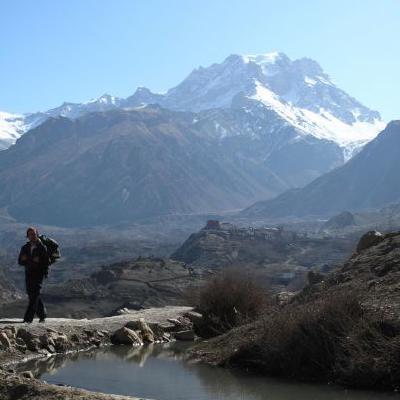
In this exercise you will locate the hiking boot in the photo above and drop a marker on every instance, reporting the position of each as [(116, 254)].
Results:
[(42, 320)]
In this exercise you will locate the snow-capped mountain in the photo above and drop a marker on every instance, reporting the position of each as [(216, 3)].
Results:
[(11, 127), (300, 93)]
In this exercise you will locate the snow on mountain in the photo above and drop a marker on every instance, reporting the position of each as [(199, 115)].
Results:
[(298, 91), (322, 125), (11, 127)]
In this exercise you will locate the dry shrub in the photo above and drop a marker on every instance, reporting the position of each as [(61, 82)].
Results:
[(329, 339), (370, 356), (230, 299), (303, 339)]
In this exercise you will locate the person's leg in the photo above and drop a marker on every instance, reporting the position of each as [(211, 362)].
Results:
[(40, 307), (30, 311)]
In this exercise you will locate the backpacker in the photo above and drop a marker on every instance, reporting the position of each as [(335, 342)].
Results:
[(53, 250)]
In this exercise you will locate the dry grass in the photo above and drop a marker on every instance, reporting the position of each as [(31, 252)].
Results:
[(329, 339), (230, 299)]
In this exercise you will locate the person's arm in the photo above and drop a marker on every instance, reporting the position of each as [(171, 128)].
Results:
[(43, 258), (22, 258)]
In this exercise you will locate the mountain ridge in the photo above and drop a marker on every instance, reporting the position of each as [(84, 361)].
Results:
[(298, 90), (367, 181)]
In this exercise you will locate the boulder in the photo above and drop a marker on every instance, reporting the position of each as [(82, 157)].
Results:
[(11, 332), (283, 298), (125, 336), (185, 335), (46, 340), (144, 329), (194, 316), (62, 344), (369, 239), (31, 341), (4, 341), (27, 375)]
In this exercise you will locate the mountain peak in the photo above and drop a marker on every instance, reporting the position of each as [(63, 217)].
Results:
[(266, 58)]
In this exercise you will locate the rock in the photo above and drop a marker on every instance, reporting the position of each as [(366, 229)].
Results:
[(62, 343), (185, 335), (46, 340), (89, 332), (369, 239), (166, 337), (31, 341), (11, 332), (167, 326), (125, 336), (194, 316), (75, 338), (95, 342), (315, 277), (145, 330), (175, 321), (283, 298), (157, 330), (51, 349), (5, 341), (25, 335), (33, 345), (21, 347), (122, 311), (27, 374)]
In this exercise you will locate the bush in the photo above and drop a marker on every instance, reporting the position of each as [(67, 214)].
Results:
[(230, 299), (328, 339)]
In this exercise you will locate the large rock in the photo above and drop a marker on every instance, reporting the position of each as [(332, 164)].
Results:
[(31, 340), (125, 336), (369, 239), (144, 329), (4, 341)]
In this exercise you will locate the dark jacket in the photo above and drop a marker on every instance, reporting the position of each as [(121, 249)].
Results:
[(36, 264)]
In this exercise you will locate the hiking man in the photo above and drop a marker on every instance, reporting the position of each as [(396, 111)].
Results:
[(34, 257)]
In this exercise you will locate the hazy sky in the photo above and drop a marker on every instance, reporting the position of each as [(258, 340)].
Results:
[(73, 50)]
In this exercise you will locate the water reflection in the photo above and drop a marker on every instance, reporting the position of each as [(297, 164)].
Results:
[(163, 372)]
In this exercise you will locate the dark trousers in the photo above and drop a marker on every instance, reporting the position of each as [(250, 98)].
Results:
[(35, 306)]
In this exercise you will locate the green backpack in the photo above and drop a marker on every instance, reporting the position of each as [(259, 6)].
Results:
[(52, 247)]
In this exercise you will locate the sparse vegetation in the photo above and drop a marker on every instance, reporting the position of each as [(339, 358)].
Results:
[(332, 339), (230, 299)]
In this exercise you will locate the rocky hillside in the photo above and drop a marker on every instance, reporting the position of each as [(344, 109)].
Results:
[(131, 165), (342, 328), (278, 258), (373, 272), (367, 181)]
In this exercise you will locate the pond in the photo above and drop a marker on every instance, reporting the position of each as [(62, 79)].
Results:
[(163, 372)]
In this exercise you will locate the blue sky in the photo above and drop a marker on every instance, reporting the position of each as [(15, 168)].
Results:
[(73, 50)]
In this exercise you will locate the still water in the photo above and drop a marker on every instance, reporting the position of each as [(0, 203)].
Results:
[(163, 372)]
